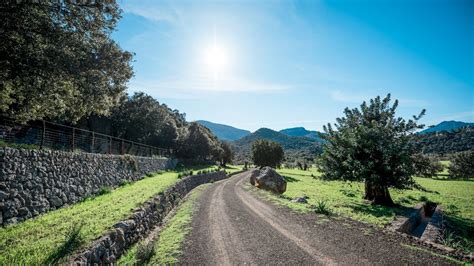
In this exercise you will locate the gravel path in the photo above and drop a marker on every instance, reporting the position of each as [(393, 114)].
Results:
[(232, 227)]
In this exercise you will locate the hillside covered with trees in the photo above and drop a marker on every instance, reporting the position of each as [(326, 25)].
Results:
[(294, 147), (446, 142)]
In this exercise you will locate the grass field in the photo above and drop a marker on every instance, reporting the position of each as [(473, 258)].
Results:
[(342, 198), (35, 241), (167, 248)]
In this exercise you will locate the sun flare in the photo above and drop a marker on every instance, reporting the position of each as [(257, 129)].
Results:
[(216, 58)]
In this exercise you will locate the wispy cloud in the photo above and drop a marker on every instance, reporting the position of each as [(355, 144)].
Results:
[(469, 116), (345, 97), (352, 97), (158, 12), (192, 88)]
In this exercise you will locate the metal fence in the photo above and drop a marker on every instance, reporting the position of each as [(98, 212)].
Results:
[(48, 135)]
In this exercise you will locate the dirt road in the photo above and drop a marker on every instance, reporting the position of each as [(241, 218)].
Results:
[(233, 227)]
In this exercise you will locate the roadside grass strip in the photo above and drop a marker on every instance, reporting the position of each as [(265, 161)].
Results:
[(54, 235), (168, 246), (346, 199)]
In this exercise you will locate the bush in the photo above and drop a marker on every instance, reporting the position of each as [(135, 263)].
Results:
[(462, 165), (124, 182), (322, 208), (4, 144), (104, 190)]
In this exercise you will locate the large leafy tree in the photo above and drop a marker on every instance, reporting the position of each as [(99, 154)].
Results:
[(372, 145), (227, 153), (57, 59), (462, 165), (198, 143), (267, 153)]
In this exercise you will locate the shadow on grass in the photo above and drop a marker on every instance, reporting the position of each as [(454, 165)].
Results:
[(290, 179), (73, 240), (380, 211), (447, 177)]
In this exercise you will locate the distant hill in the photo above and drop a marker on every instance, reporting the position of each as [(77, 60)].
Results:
[(301, 132), (224, 132), (446, 126), (294, 147)]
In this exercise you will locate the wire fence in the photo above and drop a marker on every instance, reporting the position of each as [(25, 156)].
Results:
[(49, 135)]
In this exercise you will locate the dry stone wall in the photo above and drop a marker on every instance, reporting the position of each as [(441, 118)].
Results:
[(37, 181)]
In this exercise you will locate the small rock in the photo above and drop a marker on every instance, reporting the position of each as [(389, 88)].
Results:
[(300, 199), (3, 195)]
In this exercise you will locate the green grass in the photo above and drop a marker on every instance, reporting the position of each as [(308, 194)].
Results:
[(33, 241), (4, 144), (233, 168), (434, 254), (169, 243), (456, 197)]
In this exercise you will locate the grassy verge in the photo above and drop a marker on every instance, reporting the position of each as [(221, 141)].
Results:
[(233, 168), (167, 248), (36, 241), (456, 197)]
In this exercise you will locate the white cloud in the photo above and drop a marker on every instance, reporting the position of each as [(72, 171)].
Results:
[(197, 87), (469, 116), (158, 12), (340, 96), (358, 98)]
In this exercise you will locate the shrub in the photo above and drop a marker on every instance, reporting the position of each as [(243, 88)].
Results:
[(462, 165), (125, 182), (4, 144), (322, 207), (104, 190)]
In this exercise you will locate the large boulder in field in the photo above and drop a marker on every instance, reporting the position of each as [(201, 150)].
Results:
[(270, 180)]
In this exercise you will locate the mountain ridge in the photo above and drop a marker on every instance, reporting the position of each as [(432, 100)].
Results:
[(224, 132), (446, 126)]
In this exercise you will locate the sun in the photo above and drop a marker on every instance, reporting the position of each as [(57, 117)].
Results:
[(216, 58)]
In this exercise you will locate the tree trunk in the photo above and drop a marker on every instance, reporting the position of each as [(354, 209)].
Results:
[(378, 194)]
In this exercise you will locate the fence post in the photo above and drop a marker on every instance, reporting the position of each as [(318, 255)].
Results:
[(43, 135), (122, 151), (110, 145), (73, 139), (93, 142)]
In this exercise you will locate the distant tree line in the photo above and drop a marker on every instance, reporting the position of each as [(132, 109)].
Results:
[(445, 142)]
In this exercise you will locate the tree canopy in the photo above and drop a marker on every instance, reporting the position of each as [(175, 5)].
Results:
[(57, 60), (267, 153), (372, 145)]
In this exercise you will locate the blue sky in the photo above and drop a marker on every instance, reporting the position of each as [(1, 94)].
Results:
[(281, 64)]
